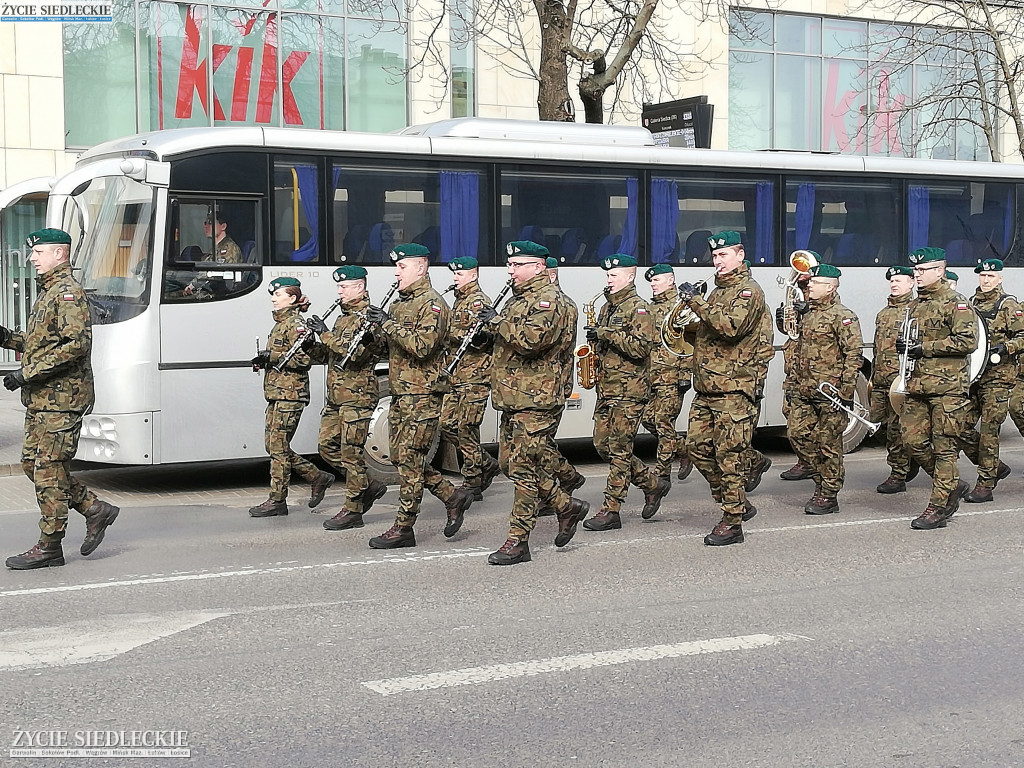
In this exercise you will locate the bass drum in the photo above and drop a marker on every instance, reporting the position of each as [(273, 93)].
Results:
[(979, 357)]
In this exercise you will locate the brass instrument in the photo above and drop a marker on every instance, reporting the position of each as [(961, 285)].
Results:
[(858, 412), (586, 356), (898, 390), (674, 326), (801, 263)]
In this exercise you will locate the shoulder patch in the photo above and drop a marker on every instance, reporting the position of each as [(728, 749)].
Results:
[(847, 320), (435, 308), (1018, 313), (746, 293), (544, 304), (961, 305), (68, 297), (641, 311), (477, 304)]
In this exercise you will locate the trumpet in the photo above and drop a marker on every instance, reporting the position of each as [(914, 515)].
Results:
[(909, 331), (801, 263), (360, 333), (586, 356), (858, 412), (474, 329), (676, 321)]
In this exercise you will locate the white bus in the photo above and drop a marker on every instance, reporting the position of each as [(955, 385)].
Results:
[(173, 379)]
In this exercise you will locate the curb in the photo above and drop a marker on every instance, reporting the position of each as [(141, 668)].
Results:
[(7, 470)]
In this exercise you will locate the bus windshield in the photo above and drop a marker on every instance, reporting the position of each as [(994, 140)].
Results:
[(111, 219)]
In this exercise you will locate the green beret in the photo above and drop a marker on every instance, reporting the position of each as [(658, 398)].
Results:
[(724, 239), (952, 276), (349, 272), (409, 251), (617, 260), (527, 248), (658, 269), (746, 263), (48, 237), (924, 255), (282, 282), (826, 270), (898, 270), (990, 265), (466, 262), (551, 262)]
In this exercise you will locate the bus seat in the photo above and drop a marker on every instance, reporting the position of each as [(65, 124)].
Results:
[(609, 244), (855, 248), (380, 243), (961, 253), (430, 238), (249, 252), (697, 250), (532, 232), (573, 245), (353, 243)]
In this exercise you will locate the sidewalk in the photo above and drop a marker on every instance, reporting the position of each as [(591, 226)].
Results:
[(12, 430)]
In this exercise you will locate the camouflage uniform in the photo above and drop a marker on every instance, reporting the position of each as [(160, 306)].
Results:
[(753, 460), (462, 411), (351, 397), (555, 463), (725, 369), (885, 370), (57, 393), (827, 350), (226, 252), (416, 331), (287, 394), (669, 376), (937, 405)]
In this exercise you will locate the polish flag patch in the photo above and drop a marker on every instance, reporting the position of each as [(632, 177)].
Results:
[(1019, 313), (435, 308), (477, 304), (68, 297), (847, 321), (961, 306), (544, 304), (641, 311), (746, 294)]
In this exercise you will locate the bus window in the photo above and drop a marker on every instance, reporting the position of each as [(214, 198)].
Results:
[(580, 217), (375, 208), (213, 252), (686, 212), (847, 222), (296, 211), (971, 220)]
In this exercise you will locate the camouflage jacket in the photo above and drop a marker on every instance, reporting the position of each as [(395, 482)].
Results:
[(567, 355), (625, 334), (475, 365), (888, 321), (667, 370), (416, 332), (727, 344), (828, 349), (948, 333), (766, 347), (530, 338), (1004, 322), (291, 383), (355, 384), (226, 252), (56, 346)]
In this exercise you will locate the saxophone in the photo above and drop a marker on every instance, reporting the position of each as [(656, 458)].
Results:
[(586, 356)]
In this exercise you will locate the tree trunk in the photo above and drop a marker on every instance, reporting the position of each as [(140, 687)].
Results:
[(553, 101), (592, 91)]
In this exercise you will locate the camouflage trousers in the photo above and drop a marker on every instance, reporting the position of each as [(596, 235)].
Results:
[(51, 439), (932, 430), (413, 423), (753, 457), (615, 425), (523, 449), (555, 464), (720, 431), (462, 413), (659, 418), (282, 422), (1017, 405), (815, 429), (980, 441), (883, 413), (343, 432)]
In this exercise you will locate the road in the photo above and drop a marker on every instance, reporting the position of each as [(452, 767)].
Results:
[(849, 640)]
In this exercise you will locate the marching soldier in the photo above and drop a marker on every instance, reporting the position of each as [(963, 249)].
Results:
[(827, 351), (286, 389), (527, 386), (937, 405), (755, 462), (884, 372), (622, 339), (952, 278), (463, 408), (351, 396), (799, 471), (725, 364), (416, 329), (990, 395), (56, 385)]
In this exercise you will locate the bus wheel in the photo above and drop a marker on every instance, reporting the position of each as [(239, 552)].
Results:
[(855, 430), (378, 442)]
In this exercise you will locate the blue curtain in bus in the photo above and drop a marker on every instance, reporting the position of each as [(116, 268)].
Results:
[(918, 217), (804, 216), (460, 214), (628, 244), (306, 175), (664, 219), (765, 222)]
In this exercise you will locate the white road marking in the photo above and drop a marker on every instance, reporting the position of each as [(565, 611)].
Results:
[(494, 672)]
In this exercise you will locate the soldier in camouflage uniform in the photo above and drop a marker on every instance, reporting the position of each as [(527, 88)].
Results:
[(885, 370), (756, 463), (286, 389), (462, 411), (622, 341), (725, 367), (225, 251), (990, 394), (527, 387), (416, 327), (827, 351), (56, 385), (798, 471), (935, 412), (351, 395)]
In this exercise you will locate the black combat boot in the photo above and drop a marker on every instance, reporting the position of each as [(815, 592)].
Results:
[(797, 472), (724, 534), (456, 507), (573, 483), (979, 495), (394, 537), (603, 521), (318, 487), (749, 510), (652, 498), (820, 504), (269, 508), (45, 554), (932, 517), (1002, 473), (914, 470), (101, 516), (545, 510), (491, 470), (953, 502), (756, 474), (511, 552), (343, 521), (568, 520), (373, 491), (891, 484), (685, 468)]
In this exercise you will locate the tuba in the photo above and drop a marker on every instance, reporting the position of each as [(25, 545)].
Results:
[(801, 263), (677, 320), (586, 356)]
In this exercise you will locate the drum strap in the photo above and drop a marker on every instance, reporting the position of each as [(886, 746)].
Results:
[(989, 315)]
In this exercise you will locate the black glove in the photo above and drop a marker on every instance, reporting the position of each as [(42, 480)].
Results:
[(486, 315), (316, 324), (376, 315), (780, 319), (847, 404), (15, 380), (367, 338), (901, 345), (5, 334), (915, 351), (262, 360), (688, 290), (591, 332), (801, 307), (998, 349), (481, 340), (684, 387)]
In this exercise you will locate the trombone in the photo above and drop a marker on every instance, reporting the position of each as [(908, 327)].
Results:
[(858, 412), (673, 327)]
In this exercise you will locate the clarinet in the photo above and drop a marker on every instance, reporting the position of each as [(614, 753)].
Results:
[(303, 332), (449, 369), (357, 338)]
